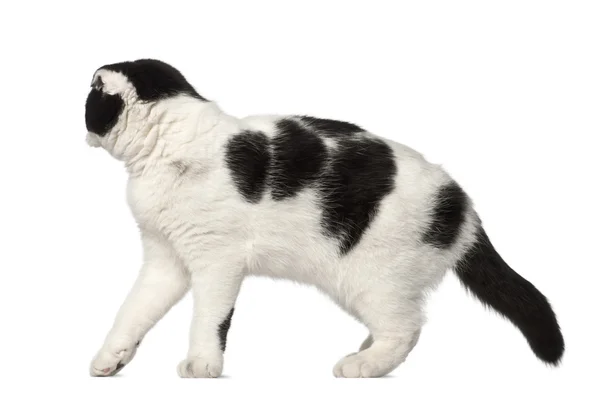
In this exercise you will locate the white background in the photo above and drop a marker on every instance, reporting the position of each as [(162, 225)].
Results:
[(506, 95)]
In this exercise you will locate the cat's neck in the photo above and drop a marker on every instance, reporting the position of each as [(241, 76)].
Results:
[(170, 131)]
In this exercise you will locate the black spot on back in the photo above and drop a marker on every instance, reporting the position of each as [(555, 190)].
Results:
[(248, 159), (450, 204), (223, 329), (350, 180), (361, 174), (102, 111), (154, 80), (298, 156), (331, 128)]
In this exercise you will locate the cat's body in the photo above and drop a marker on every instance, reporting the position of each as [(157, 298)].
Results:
[(368, 221)]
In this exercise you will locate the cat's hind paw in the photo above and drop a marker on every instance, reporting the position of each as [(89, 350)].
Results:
[(355, 366), (199, 367)]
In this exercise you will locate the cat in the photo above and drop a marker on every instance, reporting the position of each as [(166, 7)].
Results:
[(366, 220)]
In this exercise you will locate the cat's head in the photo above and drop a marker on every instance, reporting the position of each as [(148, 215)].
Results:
[(123, 94)]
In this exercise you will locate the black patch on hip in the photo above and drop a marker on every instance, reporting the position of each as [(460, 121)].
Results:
[(298, 156), (223, 329), (248, 159), (102, 111), (450, 204), (331, 128), (154, 79), (361, 174)]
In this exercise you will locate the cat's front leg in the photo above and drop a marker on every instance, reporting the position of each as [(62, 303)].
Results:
[(162, 281), (215, 288)]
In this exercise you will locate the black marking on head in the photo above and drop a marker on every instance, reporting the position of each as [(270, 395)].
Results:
[(102, 111), (223, 329), (154, 80), (361, 175), (248, 159), (450, 204), (298, 156), (331, 128)]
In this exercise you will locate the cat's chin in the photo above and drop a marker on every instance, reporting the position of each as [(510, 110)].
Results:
[(93, 140)]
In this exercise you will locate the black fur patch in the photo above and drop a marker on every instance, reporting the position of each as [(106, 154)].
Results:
[(248, 159), (102, 111), (448, 216), (483, 271), (154, 80), (351, 180), (223, 329), (361, 175), (298, 156), (331, 128)]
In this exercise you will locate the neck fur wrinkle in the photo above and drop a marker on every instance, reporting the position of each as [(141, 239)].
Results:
[(171, 130)]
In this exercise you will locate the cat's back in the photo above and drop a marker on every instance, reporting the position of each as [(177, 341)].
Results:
[(327, 178), (304, 151)]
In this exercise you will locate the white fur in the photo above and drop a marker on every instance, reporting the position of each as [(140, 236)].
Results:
[(197, 230)]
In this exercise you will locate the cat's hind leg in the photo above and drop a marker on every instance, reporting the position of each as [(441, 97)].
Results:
[(394, 323)]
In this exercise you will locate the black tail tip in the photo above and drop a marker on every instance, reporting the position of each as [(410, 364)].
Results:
[(483, 271), (549, 348)]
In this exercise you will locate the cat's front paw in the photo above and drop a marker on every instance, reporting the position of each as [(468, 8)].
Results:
[(111, 359), (201, 367)]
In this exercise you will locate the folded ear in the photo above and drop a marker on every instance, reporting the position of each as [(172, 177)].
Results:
[(97, 83), (152, 79)]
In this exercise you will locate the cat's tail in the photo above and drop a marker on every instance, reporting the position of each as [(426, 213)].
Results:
[(483, 272)]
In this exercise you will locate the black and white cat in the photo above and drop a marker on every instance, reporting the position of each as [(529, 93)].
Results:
[(367, 220)]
